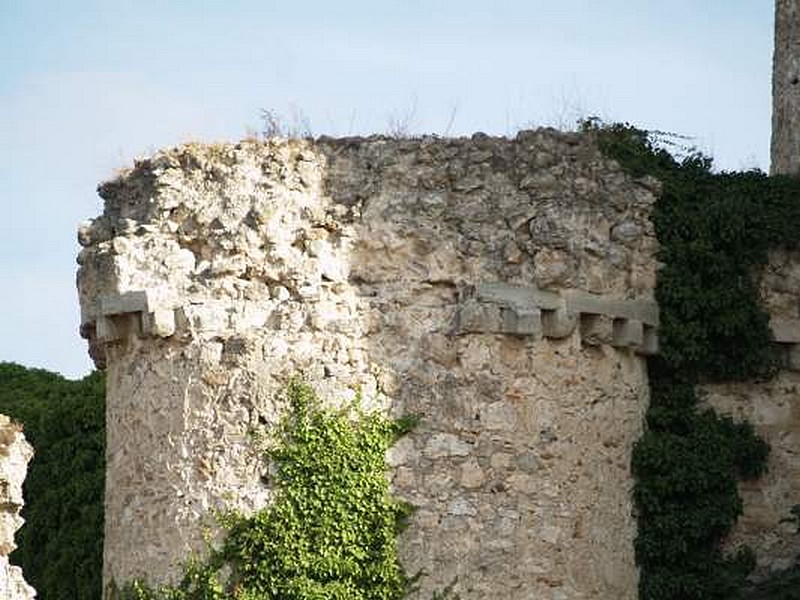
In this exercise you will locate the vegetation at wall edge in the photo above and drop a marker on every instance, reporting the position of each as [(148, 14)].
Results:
[(60, 546), (715, 231), (330, 533)]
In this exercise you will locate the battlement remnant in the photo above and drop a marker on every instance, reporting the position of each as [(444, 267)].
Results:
[(500, 289), (785, 149)]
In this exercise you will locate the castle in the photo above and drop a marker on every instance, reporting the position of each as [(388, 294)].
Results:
[(501, 289)]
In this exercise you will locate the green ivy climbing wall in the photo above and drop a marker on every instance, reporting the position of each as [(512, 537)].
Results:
[(330, 533), (715, 231)]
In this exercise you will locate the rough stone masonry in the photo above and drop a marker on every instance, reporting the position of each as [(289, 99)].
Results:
[(501, 289), (785, 148), (15, 453)]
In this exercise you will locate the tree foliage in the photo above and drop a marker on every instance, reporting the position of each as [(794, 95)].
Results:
[(60, 547)]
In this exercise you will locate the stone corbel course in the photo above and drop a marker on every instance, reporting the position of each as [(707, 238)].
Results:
[(786, 333), (148, 313), (484, 308), (528, 311)]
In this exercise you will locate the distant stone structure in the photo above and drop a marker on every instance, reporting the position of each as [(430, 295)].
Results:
[(15, 452), (786, 89), (501, 289)]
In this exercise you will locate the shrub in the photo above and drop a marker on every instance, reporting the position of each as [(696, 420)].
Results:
[(61, 544)]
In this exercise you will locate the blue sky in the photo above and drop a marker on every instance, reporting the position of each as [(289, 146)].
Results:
[(87, 86)]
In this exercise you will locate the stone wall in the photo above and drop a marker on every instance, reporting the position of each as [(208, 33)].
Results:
[(773, 407), (15, 453), (500, 289), (786, 89)]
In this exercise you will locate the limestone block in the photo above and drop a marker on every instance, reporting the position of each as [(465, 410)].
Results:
[(499, 415), (478, 317), (522, 321), (159, 323), (597, 329), (517, 295), (785, 331), (110, 329), (645, 311), (650, 342), (441, 445), (12, 582), (628, 333), (627, 232), (127, 302), (10, 522), (559, 323), (209, 318)]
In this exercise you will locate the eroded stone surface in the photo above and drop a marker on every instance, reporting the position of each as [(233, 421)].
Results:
[(773, 407), (15, 453), (786, 89), (354, 263)]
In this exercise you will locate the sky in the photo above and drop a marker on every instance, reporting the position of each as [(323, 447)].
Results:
[(87, 86)]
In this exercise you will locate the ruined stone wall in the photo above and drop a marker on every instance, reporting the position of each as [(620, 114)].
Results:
[(499, 289), (786, 89), (15, 453), (773, 407)]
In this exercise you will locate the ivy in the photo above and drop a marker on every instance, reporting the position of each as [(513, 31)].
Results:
[(714, 231), (329, 534)]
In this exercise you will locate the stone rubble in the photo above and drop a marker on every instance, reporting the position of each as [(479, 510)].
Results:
[(15, 453)]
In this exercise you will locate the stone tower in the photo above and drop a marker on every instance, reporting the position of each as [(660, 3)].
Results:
[(786, 89), (500, 289)]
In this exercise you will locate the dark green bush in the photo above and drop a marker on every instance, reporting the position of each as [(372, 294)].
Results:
[(61, 544)]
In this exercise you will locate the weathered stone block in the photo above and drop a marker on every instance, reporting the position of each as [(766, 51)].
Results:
[(127, 302), (785, 330), (479, 317), (517, 295), (650, 343), (597, 329), (159, 323), (113, 328), (628, 333), (559, 323), (645, 311), (522, 321), (15, 453), (441, 445)]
